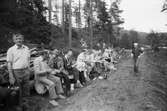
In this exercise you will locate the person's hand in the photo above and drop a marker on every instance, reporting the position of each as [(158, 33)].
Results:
[(49, 71), (66, 72), (11, 79), (131, 55), (57, 71)]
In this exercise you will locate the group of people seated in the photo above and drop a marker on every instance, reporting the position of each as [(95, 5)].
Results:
[(53, 69), (56, 72)]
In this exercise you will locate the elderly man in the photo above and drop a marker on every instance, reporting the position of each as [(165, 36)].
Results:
[(45, 75), (18, 59)]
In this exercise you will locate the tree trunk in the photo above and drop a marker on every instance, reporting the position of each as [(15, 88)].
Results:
[(91, 25), (63, 28), (56, 12), (79, 24), (70, 25), (50, 21)]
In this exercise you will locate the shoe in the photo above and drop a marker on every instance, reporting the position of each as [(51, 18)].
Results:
[(101, 77), (78, 85), (68, 93), (94, 79), (62, 97), (53, 102), (87, 79), (105, 76), (72, 87)]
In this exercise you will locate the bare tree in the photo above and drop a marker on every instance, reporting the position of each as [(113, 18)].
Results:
[(62, 22), (50, 21), (91, 24), (164, 7), (70, 24), (56, 12)]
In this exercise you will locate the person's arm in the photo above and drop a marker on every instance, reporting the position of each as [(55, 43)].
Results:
[(29, 59), (51, 66), (9, 65), (51, 62), (37, 68), (133, 50), (61, 65), (11, 75)]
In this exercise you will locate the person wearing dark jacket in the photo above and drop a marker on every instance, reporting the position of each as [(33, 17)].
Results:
[(56, 62), (68, 66), (136, 51)]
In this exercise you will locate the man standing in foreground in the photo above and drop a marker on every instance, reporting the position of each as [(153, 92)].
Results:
[(18, 59)]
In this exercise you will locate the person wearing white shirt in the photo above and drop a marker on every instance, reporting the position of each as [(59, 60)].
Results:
[(45, 76), (83, 63), (18, 59)]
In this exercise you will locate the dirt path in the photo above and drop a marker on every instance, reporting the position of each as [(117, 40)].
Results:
[(123, 91)]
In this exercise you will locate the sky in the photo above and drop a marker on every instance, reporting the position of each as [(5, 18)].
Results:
[(144, 15), (139, 15)]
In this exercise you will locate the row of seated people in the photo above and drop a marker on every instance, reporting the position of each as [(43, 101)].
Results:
[(90, 61), (54, 71)]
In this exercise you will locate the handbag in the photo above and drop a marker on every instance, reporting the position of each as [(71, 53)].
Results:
[(9, 95), (14, 95)]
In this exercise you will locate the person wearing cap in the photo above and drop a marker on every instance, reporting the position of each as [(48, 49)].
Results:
[(44, 75), (18, 59), (136, 51)]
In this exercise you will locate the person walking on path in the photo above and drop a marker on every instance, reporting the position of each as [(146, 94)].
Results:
[(136, 51)]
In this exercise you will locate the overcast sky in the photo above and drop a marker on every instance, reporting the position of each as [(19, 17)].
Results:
[(140, 15), (144, 15)]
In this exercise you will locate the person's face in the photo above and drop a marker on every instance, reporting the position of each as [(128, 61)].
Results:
[(135, 46), (89, 52), (70, 53), (55, 54), (45, 56), (18, 39)]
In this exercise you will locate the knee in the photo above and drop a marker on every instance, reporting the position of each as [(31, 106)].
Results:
[(58, 80), (51, 84)]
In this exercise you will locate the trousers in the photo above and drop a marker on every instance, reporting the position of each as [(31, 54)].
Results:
[(53, 83), (22, 80)]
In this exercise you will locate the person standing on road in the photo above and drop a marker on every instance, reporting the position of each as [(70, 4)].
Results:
[(18, 59), (136, 51)]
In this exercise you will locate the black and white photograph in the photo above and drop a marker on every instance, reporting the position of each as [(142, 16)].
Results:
[(83, 55)]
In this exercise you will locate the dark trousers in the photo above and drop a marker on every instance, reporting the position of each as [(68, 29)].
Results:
[(8, 97), (75, 73), (82, 78), (135, 64), (65, 79)]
